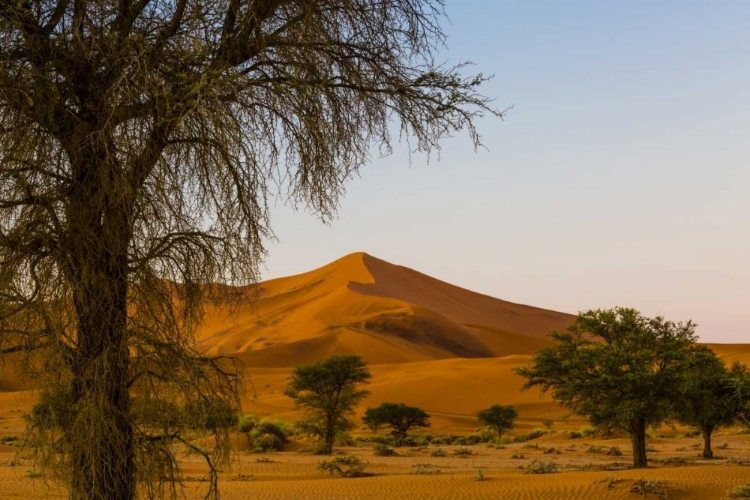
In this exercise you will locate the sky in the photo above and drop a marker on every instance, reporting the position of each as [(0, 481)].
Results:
[(620, 177)]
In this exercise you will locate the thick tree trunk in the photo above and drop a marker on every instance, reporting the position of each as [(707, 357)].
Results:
[(101, 436), (707, 430), (330, 436), (638, 438)]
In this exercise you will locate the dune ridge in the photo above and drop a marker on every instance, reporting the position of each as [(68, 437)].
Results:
[(388, 314)]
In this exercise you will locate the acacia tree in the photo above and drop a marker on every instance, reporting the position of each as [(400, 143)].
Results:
[(329, 390), (618, 369), (140, 141), (498, 417), (711, 396), (398, 416)]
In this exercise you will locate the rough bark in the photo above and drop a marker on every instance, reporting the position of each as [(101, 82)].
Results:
[(707, 431), (638, 438)]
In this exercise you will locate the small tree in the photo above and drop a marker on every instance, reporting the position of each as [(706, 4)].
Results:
[(329, 390), (398, 416), (499, 418), (372, 420), (711, 396), (617, 368)]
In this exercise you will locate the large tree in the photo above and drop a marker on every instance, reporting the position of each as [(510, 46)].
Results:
[(328, 391), (400, 417), (711, 396), (618, 369), (498, 417), (140, 141)]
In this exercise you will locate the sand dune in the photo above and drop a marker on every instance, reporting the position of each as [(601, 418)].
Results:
[(389, 314)]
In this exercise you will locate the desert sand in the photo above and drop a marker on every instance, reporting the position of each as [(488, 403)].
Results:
[(430, 344)]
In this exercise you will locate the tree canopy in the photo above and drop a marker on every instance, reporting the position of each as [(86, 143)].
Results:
[(499, 418), (618, 369), (141, 142), (329, 390), (400, 417), (711, 396)]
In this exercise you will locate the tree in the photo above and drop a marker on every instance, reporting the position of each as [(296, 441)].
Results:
[(329, 390), (141, 141), (711, 396), (499, 418), (618, 369), (398, 416)]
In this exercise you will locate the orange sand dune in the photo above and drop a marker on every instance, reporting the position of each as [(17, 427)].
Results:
[(386, 313)]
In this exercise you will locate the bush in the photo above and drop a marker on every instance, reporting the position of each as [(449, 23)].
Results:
[(345, 466), (316, 449), (594, 449), (266, 436), (535, 434), (649, 487), (552, 450), (462, 452), (422, 469), (516, 454), (378, 438), (540, 467), (614, 451), (587, 431), (382, 450), (246, 423), (573, 434), (439, 453), (742, 491)]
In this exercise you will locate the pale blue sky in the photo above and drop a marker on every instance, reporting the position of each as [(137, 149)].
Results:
[(620, 177)]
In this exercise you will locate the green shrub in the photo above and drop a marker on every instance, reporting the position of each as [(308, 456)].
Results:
[(541, 467), (535, 434), (382, 450), (573, 434), (246, 423), (462, 452), (614, 451), (345, 466), (266, 436), (439, 453), (742, 491), (587, 431), (516, 454)]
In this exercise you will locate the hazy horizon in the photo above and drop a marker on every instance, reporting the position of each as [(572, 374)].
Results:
[(618, 178)]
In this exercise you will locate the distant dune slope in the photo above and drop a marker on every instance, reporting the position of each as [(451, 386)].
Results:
[(388, 314)]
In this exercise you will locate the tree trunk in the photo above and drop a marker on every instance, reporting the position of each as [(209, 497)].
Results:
[(330, 436), (707, 430), (101, 435), (638, 438)]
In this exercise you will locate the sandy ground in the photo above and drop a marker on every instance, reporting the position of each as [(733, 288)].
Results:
[(581, 474)]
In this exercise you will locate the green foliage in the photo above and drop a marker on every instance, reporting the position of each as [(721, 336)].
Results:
[(742, 491), (462, 452), (209, 414), (617, 368), (344, 465), (266, 436), (712, 396), (400, 417), (516, 454), (382, 450), (535, 434), (439, 453), (329, 390), (499, 418), (541, 467), (614, 451)]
